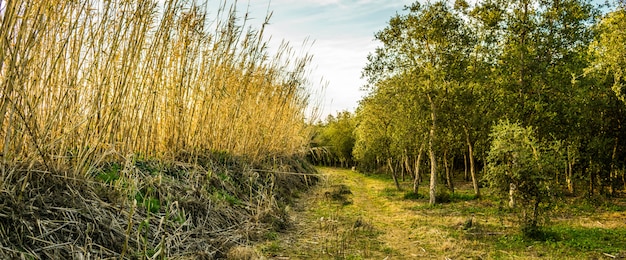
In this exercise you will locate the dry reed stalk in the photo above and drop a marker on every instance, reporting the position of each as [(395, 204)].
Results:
[(84, 81), (87, 83)]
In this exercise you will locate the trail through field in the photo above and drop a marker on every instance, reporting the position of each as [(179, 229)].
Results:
[(350, 215), (353, 216)]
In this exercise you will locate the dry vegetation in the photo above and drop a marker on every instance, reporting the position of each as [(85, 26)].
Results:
[(131, 129), (86, 81)]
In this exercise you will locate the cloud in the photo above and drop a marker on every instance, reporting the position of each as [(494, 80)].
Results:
[(343, 31)]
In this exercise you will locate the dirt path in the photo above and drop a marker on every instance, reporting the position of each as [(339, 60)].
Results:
[(352, 216)]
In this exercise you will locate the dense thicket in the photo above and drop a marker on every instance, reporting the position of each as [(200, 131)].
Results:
[(446, 73)]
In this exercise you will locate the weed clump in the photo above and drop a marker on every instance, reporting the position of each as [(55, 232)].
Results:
[(339, 193)]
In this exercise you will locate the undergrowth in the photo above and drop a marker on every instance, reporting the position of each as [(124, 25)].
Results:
[(152, 209)]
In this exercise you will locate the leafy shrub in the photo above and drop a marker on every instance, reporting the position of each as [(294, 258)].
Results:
[(521, 168)]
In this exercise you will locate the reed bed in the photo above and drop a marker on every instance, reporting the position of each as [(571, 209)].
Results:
[(144, 129), (84, 81)]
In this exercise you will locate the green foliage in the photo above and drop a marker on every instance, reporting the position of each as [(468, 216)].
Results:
[(144, 197), (416, 80), (456, 70), (609, 50), (569, 239), (220, 195), (110, 174), (333, 142), (520, 166), (410, 195)]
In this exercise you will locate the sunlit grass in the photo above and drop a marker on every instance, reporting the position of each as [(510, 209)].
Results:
[(464, 227)]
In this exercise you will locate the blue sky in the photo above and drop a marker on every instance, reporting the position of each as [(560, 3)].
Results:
[(341, 34)]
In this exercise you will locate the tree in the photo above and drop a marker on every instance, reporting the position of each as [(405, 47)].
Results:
[(446, 73), (428, 49), (335, 139), (521, 168), (609, 50)]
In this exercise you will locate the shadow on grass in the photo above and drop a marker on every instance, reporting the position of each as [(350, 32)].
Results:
[(564, 241), (442, 197)]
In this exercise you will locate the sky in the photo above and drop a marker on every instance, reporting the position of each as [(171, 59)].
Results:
[(340, 35)]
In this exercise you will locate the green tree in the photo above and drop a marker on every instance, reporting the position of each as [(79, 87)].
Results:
[(609, 50), (426, 49), (334, 140), (521, 168)]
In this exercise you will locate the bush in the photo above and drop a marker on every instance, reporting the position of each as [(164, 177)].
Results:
[(520, 169)]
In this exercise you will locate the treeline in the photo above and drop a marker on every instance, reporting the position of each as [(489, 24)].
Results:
[(333, 140), (501, 89)]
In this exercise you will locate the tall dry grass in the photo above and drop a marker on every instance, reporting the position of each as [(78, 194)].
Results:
[(86, 81)]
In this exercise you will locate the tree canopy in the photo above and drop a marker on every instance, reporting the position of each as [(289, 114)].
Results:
[(447, 73)]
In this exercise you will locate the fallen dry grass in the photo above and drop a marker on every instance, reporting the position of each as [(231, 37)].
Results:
[(151, 210)]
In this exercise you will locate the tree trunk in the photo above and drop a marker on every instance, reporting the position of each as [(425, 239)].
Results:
[(418, 161), (407, 165), (470, 148), (512, 189), (393, 173), (402, 167), (448, 176), (591, 179), (570, 183), (431, 152), (624, 178), (613, 171), (569, 174), (465, 176)]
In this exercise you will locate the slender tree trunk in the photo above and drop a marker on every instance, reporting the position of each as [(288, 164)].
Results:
[(447, 167), (512, 189), (613, 173), (452, 166), (393, 173), (470, 148), (569, 174), (624, 178), (591, 178), (570, 183), (431, 152), (402, 166), (465, 176), (407, 165), (418, 161)]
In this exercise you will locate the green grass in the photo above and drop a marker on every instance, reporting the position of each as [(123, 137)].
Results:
[(110, 173), (566, 241), (442, 230), (591, 239), (413, 196), (389, 192)]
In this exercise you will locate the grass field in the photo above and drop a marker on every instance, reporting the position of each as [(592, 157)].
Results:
[(354, 216)]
